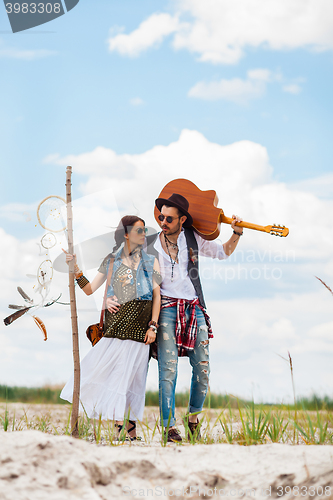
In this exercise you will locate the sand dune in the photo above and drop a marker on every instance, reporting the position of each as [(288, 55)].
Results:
[(38, 466)]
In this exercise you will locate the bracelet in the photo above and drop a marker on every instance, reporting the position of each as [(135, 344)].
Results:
[(152, 327), (153, 323), (238, 234), (82, 281)]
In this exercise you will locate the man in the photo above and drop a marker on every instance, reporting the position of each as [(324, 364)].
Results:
[(184, 326)]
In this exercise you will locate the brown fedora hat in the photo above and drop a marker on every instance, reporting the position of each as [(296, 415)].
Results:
[(177, 201)]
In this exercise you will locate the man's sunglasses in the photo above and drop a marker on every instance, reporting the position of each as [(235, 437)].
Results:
[(169, 219), (141, 230)]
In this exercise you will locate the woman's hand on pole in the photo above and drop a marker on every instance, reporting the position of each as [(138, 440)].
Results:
[(70, 257)]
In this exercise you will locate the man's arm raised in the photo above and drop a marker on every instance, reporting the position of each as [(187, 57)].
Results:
[(230, 245)]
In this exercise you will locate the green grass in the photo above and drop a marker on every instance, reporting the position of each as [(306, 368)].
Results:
[(46, 395), (50, 395), (225, 419), (246, 425), (212, 400)]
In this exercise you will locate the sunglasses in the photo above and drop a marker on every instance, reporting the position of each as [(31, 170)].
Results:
[(141, 230), (169, 219)]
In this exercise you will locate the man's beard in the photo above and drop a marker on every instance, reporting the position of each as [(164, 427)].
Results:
[(174, 232)]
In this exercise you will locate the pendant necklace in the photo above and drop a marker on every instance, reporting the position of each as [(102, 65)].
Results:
[(135, 256), (173, 245), (173, 262)]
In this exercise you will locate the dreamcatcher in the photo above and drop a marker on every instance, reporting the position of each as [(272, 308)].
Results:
[(21, 310), (51, 215), (44, 278), (48, 241), (45, 273)]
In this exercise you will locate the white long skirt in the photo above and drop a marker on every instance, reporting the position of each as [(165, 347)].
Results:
[(113, 380)]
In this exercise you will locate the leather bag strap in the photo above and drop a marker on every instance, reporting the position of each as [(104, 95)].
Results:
[(108, 279)]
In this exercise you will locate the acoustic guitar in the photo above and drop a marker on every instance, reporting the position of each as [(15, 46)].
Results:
[(207, 217)]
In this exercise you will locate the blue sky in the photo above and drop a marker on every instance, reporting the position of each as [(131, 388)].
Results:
[(153, 87)]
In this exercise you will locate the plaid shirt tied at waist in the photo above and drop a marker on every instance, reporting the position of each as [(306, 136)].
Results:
[(186, 332)]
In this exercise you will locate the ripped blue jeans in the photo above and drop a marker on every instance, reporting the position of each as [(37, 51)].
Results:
[(168, 364)]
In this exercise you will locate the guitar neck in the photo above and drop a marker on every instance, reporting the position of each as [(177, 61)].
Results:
[(275, 229), (248, 225)]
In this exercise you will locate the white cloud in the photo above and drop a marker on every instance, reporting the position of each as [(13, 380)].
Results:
[(28, 55), (17, 256), (321, 186), (251, 334), (238, 90), (250, 331), (101, 160), (219, 31), (137, 101), (240, 173), (18, 211), (260, 74), (235, 90), (150, 33), (293, 88), (323, 331)]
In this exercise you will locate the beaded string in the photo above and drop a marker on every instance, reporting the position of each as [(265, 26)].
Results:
[(133, 256), (173, 262), (174, 245)]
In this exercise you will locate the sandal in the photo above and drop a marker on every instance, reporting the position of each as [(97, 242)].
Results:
[(133, 423), (121, 428)]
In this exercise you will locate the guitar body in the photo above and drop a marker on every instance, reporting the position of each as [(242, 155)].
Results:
[(207, 217), (203, 207)]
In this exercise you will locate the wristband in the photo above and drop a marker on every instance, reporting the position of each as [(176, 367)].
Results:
[(82, 281), (153, 323), (238, 234)]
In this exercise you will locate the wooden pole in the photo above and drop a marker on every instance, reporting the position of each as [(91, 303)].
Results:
[(75, 330)]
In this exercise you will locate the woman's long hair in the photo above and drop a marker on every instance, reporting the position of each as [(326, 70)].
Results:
[(124, 227)]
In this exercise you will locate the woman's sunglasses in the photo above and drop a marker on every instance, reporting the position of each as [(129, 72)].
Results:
[(141, 230), (169, 219)]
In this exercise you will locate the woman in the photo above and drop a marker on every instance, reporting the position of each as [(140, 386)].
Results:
[(113, 374)]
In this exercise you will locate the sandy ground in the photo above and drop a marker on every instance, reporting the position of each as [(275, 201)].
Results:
[(40, 466)]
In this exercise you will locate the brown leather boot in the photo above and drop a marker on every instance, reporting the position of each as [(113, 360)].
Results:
[(174, 436), (193, 433)]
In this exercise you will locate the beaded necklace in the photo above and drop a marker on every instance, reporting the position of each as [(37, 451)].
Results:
[(133, 256), (173, 245), (173, 262)]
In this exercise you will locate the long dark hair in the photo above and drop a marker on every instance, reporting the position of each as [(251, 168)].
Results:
[(124, 227)]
